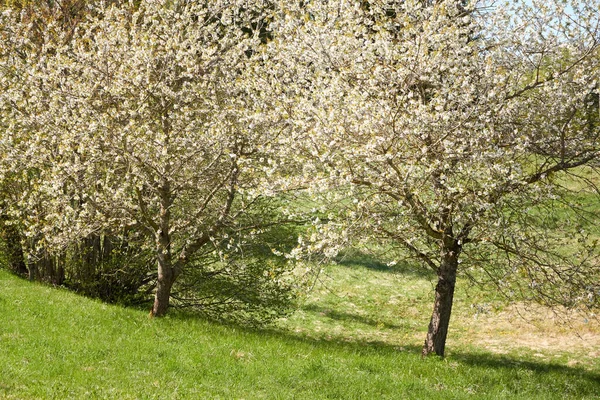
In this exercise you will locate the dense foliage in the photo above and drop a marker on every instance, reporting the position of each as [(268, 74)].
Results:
[(139, 127)]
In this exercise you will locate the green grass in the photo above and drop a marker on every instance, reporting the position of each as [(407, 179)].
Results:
[(55, 344)]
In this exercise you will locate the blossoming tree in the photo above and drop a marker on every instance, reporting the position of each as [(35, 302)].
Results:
[(145, 118), (451, 131)]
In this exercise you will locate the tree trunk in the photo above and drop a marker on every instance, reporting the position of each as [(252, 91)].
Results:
[(166, 278), (14, 250), (444, 295), (60, 260), (32, 271), (107, 248), (166, 271)]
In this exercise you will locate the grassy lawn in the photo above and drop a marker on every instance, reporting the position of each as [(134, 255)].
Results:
[(362, 300), (357, 336)]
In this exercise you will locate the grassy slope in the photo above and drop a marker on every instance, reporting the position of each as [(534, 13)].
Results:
[(54, 344)]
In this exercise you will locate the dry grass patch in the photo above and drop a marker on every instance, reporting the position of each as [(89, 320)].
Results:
[(547, 332)]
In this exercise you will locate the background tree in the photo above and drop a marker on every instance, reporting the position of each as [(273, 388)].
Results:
[(452, 134), (145, 121), (90, 265)]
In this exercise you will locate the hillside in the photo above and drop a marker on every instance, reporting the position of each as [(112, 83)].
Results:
[(55, 344)]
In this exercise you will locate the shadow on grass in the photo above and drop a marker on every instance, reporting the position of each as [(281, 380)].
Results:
[(582, 379), (345, 344), (539, 368), (357, 258), (274, 332), (585, 382), (351, 317)]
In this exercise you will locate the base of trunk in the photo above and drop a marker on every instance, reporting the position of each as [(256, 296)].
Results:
[(166, 278), (161, 302), (435, 343)]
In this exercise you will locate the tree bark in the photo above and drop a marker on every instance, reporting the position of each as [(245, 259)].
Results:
[(33, 272), (444, 295), (59, 277), (166, 278), (167, 274)]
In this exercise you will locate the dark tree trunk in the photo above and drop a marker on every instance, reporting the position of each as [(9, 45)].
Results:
[(444, 295), (43, 267), (59, 276), (14, 250), (107, 248), (32, 268)]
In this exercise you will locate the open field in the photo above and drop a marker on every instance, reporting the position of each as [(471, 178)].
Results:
[(356, 337)]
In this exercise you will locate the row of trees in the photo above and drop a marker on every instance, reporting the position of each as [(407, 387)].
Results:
[(177, 133)]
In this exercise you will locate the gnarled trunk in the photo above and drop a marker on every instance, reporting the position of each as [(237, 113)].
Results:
[(444, 295)]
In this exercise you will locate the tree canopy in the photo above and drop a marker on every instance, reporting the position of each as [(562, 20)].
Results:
[(447, 131), (143, 120), (462, 135)]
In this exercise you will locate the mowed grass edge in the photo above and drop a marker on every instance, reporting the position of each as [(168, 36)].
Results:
[(55, 344)]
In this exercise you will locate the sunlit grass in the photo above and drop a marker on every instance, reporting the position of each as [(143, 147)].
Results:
[(55, 344)]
